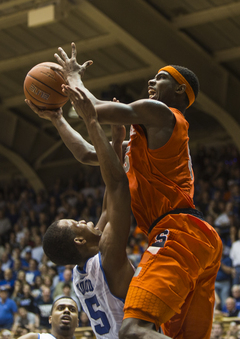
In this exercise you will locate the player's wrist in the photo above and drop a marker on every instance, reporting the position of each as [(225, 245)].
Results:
[(57, 118), (90, 122), (74, 79)]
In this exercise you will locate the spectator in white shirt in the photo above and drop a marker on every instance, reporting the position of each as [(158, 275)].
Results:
[(235, 256)]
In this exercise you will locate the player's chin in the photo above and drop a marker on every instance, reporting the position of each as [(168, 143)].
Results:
[(65, 327)]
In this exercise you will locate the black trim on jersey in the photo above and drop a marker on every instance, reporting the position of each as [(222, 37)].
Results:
[(191, 211)]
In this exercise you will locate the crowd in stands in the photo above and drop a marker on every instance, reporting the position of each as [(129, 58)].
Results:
[(29, 282)]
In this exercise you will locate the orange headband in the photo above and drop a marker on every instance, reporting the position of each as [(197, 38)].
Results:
[(181, 80)]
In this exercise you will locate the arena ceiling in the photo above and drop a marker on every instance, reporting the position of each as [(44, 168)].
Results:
[(128, 40)]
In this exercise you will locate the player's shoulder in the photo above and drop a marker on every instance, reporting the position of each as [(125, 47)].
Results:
[(31, 335), (153, 110), (150, 103)]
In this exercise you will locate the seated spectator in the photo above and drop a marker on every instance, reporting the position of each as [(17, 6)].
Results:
[(88, 335), (83, 320), (46, 261), (17, 291), (24, 320), (40, 203), (21, 276), (67, 292), (42, 229), (32, 271), (67, 278), (27, 299), (48, 282), (217, 331), (6, 334), (25, 242), (18, 232), (235, 256), (232, 236), (64, 273), (238, 332), (5, 225), (6, 261), (225, 218), (8, 310), (236, 295), (231, 310), (43, 268), (12, 239), (17, 266), (8, 280), (26, 256), (2, 249), (232, 329), (37, 287), (52, 271), (224, 278), (8, 249), (37, 250), (12, 213), (44, 303)]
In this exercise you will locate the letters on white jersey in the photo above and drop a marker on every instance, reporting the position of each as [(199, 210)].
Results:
[(104, 311)]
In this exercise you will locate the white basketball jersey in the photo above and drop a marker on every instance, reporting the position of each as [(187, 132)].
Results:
[(45, 336), (104, 311)]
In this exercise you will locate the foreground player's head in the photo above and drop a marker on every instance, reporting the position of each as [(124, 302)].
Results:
[(174, 84), (70, 242), (64, 317)]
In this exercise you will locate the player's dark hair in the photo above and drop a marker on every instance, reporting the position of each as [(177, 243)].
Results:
[(59, 299), (191, 78), (58, 245)]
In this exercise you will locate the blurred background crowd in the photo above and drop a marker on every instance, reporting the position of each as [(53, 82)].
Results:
[(29, 282)]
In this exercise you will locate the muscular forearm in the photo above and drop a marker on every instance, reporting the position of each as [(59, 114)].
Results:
[(108, 112), (111, 169), (79, 147)]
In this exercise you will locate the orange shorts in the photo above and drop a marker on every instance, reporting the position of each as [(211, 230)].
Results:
[(179, 268)]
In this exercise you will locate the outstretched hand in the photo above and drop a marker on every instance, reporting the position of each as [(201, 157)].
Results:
[(82, 104), (70, 66), (45, 114)]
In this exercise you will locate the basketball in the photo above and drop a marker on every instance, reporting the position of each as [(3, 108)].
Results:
[(42, 86)]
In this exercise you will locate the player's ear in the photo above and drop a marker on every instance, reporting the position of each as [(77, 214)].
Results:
[(50, 319), (181, 88), (80, 241)]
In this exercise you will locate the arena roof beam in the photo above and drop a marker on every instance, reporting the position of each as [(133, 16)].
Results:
[(23, 167), (36, 57), (209, 15), (227, 54)]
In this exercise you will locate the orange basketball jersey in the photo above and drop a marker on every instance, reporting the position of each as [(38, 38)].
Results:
[(160, 180)]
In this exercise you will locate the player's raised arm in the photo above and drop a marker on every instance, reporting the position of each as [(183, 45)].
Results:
[(111, 168), (83, 151), (113, 243)]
